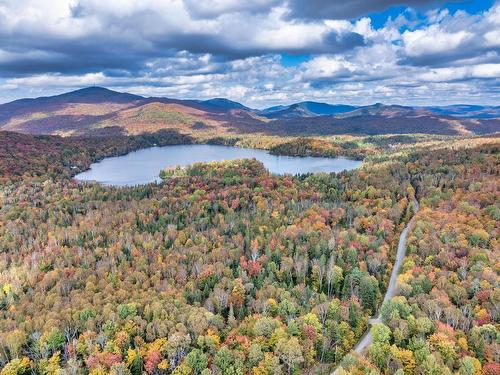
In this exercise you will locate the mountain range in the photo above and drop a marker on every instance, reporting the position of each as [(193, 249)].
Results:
[(100, 111)]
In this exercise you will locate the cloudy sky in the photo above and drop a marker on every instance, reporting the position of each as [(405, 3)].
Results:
[(259, 52)]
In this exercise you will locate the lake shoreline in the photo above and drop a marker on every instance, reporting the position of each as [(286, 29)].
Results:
[(143, 166)]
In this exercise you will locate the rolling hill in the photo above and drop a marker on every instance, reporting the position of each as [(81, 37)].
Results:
[(306, 109), (223, 104), (100, 111), (468, 111)]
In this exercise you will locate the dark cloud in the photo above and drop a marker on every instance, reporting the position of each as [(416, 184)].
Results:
[(458, 57), (208, 9), (346, 9), (112, 51), (33, 55), (125, 43), (345, 77), (338, 42)]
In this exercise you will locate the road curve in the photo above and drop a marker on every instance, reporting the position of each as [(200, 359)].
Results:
[(366, 339)]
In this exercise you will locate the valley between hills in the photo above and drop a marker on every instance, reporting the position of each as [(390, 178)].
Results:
[(99, 111)]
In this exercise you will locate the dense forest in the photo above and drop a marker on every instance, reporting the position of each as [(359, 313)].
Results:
[(226, 269), (446, 317)]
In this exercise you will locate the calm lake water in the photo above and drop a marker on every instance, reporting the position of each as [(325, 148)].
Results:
[(143, 166)]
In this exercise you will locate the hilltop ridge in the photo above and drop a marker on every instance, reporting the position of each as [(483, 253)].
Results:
[(98, 110)]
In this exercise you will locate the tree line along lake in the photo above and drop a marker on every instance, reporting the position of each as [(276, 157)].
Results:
[(144, 166)]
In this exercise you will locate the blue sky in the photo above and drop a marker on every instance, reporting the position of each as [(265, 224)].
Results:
[(262, 52), (288, 60), (470, 6)]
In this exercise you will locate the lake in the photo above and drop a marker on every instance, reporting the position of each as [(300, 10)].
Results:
[(143, 166)]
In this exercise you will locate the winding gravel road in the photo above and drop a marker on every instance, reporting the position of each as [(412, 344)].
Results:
[(366, 339)]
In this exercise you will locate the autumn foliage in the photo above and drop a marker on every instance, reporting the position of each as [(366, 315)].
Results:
[(226, 269)]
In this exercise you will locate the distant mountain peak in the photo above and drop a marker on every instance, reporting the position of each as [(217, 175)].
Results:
[(94, 89), (98, 90), (90, 90), (307, 109), (224, 103), (94, 94)]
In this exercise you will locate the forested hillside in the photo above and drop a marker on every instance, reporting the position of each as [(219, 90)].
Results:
[(226, 269), (446, 317), (97, 111)]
